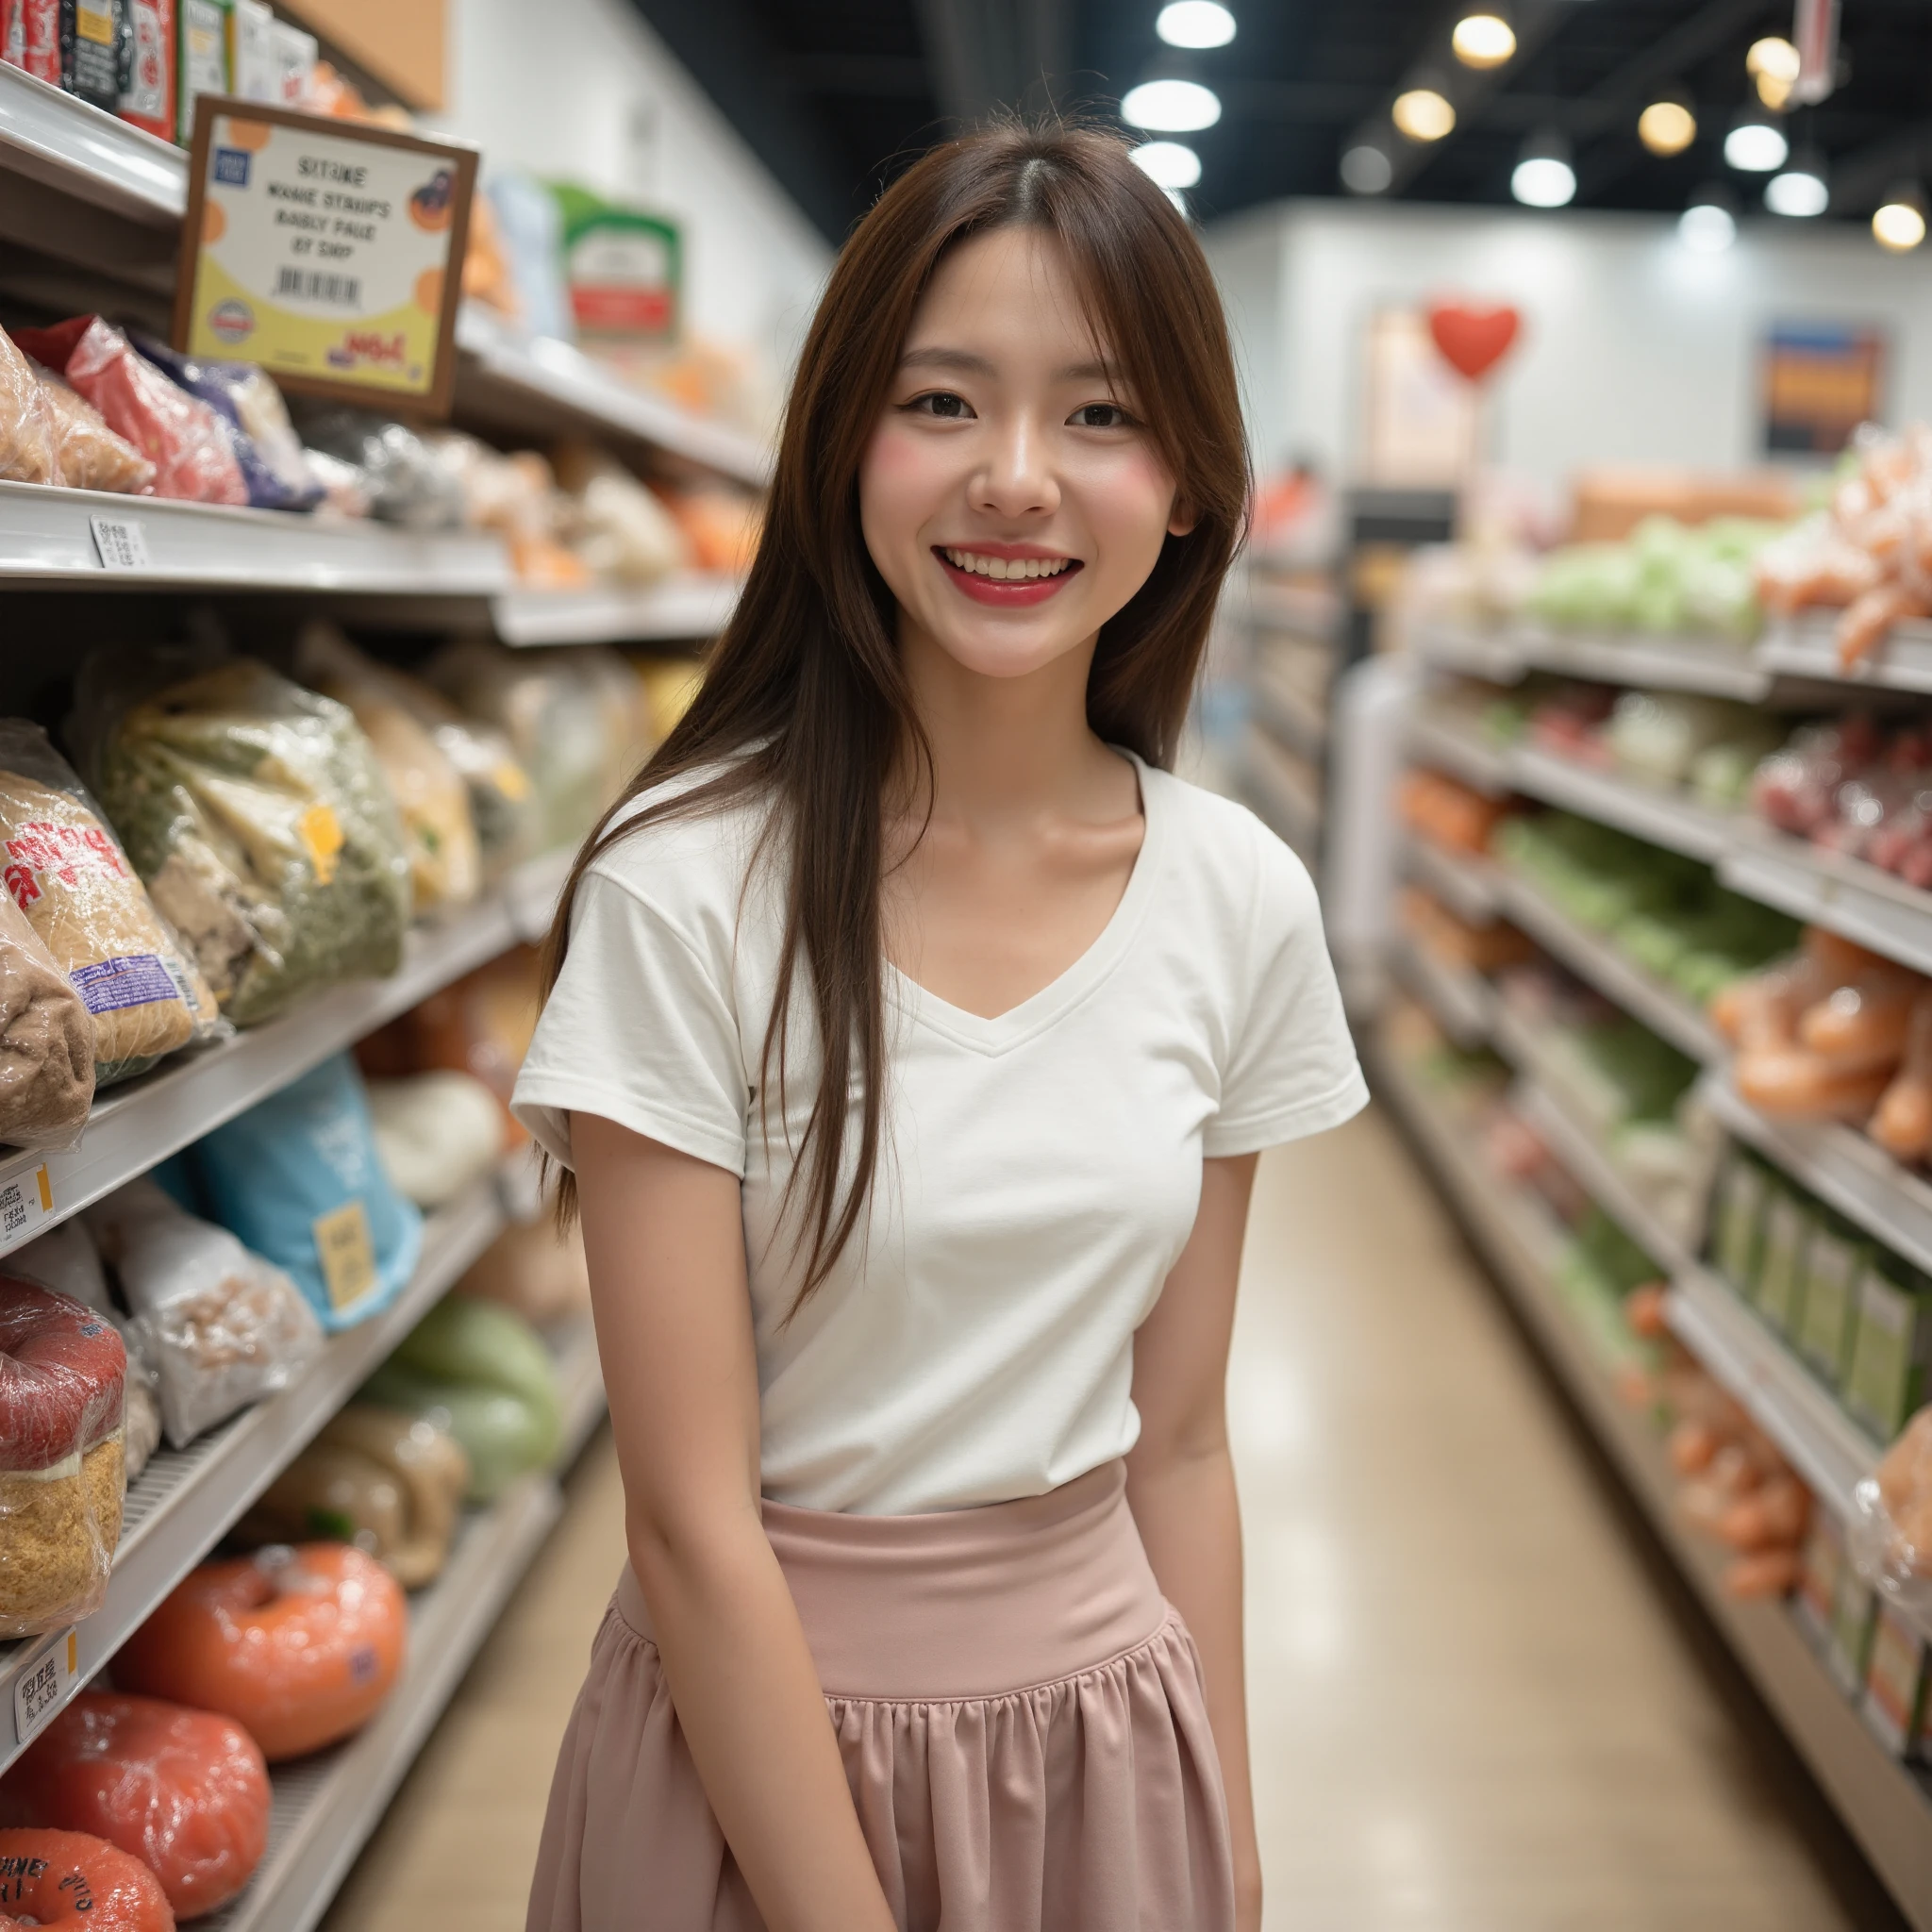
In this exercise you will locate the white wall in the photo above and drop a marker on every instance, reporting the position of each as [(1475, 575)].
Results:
[(1633, 349), (584, 90)]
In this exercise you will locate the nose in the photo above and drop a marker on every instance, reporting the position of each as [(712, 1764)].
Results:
[(1015, 478)]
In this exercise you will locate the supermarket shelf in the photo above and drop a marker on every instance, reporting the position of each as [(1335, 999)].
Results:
[(1460, 1001), (1290, 718), (1302, 611), (1664, 818), (1803, 647), (1469, 887), (1873, 907), (1459, 749), (1884, 1805), (1593, 959), (1283, 794), (690, 606), (580, 1383), (61, 143), (325, 1807), (136, 1126), (48, 539), (1840, 1166), (1793, 1408), (1649, 663), (184, 1500), (526, 382), (1470, 650)]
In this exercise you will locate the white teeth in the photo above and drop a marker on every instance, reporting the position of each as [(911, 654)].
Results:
[(1006, 569)]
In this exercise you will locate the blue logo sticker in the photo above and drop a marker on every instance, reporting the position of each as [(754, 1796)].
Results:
[(231, 167)]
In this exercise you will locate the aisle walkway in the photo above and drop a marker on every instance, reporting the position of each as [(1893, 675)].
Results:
[(1476, 1708)]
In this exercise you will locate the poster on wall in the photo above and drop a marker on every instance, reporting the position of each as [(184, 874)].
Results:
[(1423, 420), (1822, 380)]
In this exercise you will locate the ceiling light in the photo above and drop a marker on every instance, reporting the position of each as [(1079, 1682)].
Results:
[(1668, 125), (1899, 223), (1773, 64), (1422, 114), (1801, 191), (1483, 36), (1367, 170), (1171, 164), (1543, 177), (1171, 107), (1756, 144), (1707, 226), (1194, 24)]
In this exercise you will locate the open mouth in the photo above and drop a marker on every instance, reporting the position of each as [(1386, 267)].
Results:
[(999, 577)]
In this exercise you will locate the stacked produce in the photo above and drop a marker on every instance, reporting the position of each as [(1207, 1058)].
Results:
[(1672, 740), (1449, 813), (1666, 578), (1856, 788), (1869, 555), (1454, 940)]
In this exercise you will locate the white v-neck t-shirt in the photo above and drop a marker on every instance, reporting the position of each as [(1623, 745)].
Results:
[(1040, 1173)]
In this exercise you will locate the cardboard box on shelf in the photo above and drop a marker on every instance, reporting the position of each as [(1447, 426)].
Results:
[(1890, 1345), (1609, 503), (1835, 1262)]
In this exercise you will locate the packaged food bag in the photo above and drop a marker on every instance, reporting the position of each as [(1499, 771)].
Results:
[(274, 464), (435, 1133), (404, 479), (299, 1179), (87, 454), (222, 1327), (27, 452), (187, 441), (65, 870), (620, 529), (46, 1042), (257, 813), (63, 1374), (445, 865)]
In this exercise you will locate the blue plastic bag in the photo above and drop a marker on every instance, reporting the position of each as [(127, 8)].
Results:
[(297, 1178), (244, 396)]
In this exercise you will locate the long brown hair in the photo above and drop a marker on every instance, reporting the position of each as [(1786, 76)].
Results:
[(804, 704)]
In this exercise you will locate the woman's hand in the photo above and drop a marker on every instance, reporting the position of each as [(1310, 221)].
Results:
[(1180, 1483), (665, 1239)]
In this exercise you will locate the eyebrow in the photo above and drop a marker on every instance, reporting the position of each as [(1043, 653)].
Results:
[(964, 362)]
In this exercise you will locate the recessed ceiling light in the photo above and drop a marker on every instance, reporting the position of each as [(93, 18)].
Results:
[(1483, 38), (1668, 125), (1898, 225), (1194, 24), (1171, 107), (1171, 164), (1422, 114), (1366, 168), (1756, 144)]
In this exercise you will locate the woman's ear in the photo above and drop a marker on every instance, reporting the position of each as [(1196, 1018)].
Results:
[(1181, 523)]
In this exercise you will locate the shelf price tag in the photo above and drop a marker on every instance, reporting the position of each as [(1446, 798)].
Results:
[(42, 1685), (26, 1198), (120, 543), (328, 252)]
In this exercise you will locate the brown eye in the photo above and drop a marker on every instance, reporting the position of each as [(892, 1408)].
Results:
[(1101, 416), (944, 404)]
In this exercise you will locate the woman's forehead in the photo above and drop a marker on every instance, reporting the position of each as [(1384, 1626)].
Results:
[(1009, 295)]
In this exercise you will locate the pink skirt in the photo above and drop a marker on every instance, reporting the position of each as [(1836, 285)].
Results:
[(1020, 1715)]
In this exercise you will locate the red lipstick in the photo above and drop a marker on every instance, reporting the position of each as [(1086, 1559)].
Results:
[(1005, 593)]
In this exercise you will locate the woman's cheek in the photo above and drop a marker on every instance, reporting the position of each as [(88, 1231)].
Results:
[(1132, 497)]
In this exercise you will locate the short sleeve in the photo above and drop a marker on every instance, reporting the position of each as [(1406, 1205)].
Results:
[(1291, 1066), (641, 1030)]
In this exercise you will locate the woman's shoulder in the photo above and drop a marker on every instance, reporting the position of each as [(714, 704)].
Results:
[(1223, 850)]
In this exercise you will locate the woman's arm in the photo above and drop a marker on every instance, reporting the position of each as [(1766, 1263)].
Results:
[(1180, 1482), (665, 1239)]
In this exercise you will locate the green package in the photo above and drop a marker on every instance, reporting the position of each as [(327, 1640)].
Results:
[(201, 31), (1834, 1261), (1889, 1345), (623, 268), (1742, 1190), (1788, 1225)]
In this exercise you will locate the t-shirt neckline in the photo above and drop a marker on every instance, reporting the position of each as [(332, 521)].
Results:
[(1058, 996)]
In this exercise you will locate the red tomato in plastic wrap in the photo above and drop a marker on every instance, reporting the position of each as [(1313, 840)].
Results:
[(66, 1878), (300, 1645), (184, 1792)]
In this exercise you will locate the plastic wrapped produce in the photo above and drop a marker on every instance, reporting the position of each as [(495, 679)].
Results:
[(1890, 1530), (299, 1179), (257, 813), (274, 464), (516, 496), (301, 1646), (485, 1375), (187, 441), (435, 1133), (46, 1042), (404, 478), (721, 525), (619, 528), (185, 1791), (63, 1374), (87, 454), (222, 1327), (433, 803), (390, 1483), (503, 807), (49, 1872), (28, 453), (64, 870)]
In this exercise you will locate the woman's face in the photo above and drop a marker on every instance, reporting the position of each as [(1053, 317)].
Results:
[(1009, 496)]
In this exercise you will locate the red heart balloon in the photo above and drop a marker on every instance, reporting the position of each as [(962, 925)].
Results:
[(1473, 341)]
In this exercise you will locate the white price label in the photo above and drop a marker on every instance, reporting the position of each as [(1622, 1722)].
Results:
[(43, 1686), (121, 542), (26, 1198)]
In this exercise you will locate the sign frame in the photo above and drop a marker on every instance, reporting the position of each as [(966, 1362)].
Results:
[(432, 404)]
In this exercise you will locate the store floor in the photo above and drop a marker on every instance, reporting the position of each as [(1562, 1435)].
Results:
[(1480, 1702)]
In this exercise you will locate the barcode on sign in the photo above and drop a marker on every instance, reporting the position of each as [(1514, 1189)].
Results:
[(318, 285)]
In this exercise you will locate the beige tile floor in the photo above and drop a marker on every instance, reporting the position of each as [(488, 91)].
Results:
[(1479, 1704)]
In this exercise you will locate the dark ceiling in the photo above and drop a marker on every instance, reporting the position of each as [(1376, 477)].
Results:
[(836, 94)]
